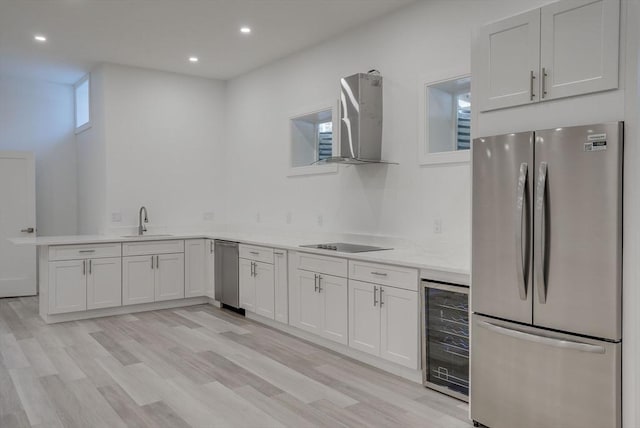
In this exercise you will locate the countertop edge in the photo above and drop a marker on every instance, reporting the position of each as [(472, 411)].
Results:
[(426, 270)]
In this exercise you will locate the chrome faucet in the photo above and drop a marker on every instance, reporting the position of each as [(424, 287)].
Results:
[(141, 227)]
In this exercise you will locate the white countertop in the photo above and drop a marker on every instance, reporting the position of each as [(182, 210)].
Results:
[(432, 266)]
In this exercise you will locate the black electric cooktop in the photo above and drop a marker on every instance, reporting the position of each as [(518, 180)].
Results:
[(344, 247)]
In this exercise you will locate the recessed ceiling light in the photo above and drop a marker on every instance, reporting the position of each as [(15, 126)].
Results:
[(39, 38), (245, 30), (193, 59)]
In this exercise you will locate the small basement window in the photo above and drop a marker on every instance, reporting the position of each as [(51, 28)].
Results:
[(82, 98), (447, 121), (312, 142)]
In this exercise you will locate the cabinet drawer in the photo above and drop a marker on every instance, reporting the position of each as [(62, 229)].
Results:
[(394, 276), (84, 251), (322, 264), (259, 254), (152, 247)]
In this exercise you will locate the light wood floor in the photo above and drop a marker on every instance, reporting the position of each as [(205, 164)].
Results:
[(193, 367)]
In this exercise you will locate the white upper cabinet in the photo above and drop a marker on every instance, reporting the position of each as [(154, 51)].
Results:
[(508, 62), (563, 49), (579, 47)]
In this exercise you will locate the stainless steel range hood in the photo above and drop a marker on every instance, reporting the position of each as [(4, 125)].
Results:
[(360, 114)]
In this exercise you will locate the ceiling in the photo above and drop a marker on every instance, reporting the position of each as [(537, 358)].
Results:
[(162, 34)]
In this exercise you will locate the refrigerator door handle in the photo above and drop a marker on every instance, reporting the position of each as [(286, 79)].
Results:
[(539, 243), (543, 340), (520, 201)]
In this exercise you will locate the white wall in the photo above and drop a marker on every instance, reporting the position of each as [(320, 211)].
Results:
[(92, 163), (424, 42), (154, 142), (37, 116)]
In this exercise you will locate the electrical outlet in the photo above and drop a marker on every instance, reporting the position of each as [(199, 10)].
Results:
[(116, 217), (437, 225), (289, 217), (208, 216), (320, 220)]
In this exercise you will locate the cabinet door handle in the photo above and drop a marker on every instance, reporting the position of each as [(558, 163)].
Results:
[(532, 77), (319, 283), (379, 273), (152, 257), (255, 269), (84, 267), (89, 267), (381, 301), (544, 82), (375, 292), (157, 262), (210, 247), (315, 282)]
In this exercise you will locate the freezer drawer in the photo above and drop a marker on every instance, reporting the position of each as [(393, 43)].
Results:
[(527, 377)]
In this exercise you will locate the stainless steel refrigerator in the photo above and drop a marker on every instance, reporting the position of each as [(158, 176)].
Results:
[(546, 290)]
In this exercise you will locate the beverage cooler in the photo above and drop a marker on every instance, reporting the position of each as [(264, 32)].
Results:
[(445, 338)]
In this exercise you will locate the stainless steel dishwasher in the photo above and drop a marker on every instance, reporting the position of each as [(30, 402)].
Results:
[(226, 273)]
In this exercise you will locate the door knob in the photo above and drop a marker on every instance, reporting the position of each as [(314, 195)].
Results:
[(28, 230)]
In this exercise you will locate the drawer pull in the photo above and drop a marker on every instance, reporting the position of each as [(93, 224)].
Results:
[(278, 253), (86, 251), (379, 273), (255, 253)]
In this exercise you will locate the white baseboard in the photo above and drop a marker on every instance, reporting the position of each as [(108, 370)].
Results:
[(122, 310), (398, 370)]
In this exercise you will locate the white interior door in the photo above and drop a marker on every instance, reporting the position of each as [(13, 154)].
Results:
[(17, 219)]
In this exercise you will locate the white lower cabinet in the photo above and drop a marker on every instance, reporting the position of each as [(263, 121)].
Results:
[(247, 286), (211, 265), (138, 280), (78, 285), (256, 282), (306, 311), (383, 321), (319, 305), (399, 326), (169, 279), (364, 317), (67, 286), (265, 292), (195, 273), (281, 286), (152, 278), (104, 283)]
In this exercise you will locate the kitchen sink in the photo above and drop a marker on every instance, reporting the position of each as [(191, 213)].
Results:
[(151, 235)]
